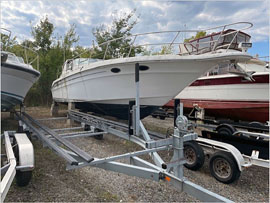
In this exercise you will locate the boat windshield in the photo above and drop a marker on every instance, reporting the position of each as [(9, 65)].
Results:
[(13, 58), (79, 63), (20, 59), (229, 39), (254, 65), (84, 61)]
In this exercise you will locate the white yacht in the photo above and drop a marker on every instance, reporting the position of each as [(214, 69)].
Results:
[(107, 86)]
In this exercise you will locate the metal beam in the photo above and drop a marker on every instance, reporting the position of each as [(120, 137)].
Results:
[(131, 170), (11, 172), (68, 144), (50, 143), (96, 162), (194, 190), (202, 194)]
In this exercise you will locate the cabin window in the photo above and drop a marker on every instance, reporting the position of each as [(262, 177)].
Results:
[(115, 70)]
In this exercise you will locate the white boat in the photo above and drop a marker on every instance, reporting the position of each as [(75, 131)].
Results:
[(107, 86), (17, 78)]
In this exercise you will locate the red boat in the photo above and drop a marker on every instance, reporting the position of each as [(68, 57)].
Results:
[(239, 94)]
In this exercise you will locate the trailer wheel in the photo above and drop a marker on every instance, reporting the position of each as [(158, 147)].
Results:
[(86, 127), (98, 137), (224, 167), (162, 117), (194, 155), (23, 178), (20, 129), (225, 130), (256, 125)]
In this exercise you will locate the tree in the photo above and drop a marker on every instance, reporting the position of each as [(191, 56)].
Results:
[(121, 28), (43, 39), (197, 36), (42, 34), (166, 50), (70, 38), (7, 41)]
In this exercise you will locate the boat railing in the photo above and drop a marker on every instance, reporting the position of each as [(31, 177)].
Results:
[(191, 47), (29, 60)]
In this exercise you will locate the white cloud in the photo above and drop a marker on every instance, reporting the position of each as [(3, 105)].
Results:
[(154, 15)]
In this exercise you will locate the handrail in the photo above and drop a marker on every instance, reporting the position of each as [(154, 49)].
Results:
[(134, 37)]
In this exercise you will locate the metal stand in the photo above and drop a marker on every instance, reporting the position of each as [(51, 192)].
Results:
[(135, 131)]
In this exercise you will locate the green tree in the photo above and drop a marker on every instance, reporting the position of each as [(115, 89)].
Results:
[(7, 41), (120, 28), (197, 36), (42, 34), (70, 38)]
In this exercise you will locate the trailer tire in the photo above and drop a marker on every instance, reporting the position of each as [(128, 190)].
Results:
[(23, 178), (226, 130), (87, 127), (256, 125), (98, 137), (194, 155), (20, 129), (224, 167), (162, 117)]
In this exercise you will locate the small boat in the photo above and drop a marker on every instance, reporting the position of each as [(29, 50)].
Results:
[(106, 86), (17, 77), (240, 94)]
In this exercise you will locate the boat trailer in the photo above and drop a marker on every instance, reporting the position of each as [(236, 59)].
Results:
[(171, 172), (135, 132)]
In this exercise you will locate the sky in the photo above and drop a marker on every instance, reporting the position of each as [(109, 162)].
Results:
[(160, 15)]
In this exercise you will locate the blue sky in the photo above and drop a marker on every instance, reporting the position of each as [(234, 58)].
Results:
[(19, 15)]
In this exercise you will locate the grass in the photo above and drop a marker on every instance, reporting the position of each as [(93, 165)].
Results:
[(106, 196)]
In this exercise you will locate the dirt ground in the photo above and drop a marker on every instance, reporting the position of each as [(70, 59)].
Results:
[(52, 182)]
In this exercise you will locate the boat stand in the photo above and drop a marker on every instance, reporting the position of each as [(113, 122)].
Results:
[(134, 131)]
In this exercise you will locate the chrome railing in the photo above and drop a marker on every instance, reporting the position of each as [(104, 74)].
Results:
[(213, 43)]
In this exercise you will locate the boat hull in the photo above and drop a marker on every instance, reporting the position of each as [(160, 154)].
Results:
[(119, 111), (158, 84), (15, 83), (229, 97)]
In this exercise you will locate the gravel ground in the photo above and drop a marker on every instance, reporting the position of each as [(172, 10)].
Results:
[(51, 181)]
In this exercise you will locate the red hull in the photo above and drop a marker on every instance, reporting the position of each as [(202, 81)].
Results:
[(235, 110)]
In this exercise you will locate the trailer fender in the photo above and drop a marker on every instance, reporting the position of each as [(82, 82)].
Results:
[(25, 152), (204, 142)]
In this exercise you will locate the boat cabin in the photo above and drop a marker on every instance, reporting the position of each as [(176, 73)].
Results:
[(229, 39)]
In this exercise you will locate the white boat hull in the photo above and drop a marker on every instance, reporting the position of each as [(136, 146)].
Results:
[(163, 80), (15, 83)]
